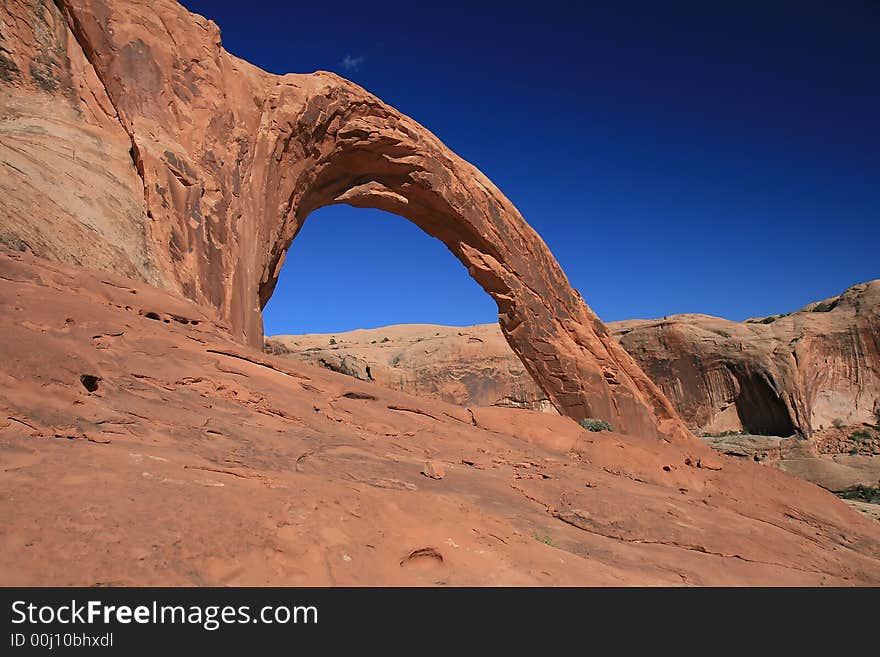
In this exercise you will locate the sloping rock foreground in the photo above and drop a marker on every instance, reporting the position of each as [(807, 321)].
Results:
[(132, 142), (140, 444)]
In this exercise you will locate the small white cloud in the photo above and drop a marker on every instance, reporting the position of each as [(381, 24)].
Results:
[(350, 63)]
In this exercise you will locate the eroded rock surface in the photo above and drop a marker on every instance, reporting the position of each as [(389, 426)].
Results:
[(794, 374), (468, 366), (141, 445), (231, 160), (808, 459), (69, 190)]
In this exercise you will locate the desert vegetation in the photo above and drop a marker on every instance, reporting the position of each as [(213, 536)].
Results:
[(592, 424)]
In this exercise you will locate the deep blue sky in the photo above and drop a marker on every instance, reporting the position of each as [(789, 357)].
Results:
[(717, 157)]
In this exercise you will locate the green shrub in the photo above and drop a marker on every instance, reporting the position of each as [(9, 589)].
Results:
[(861, 435), (837, 423), (592, 424), (825, 306), (863, 493), (766, 320), (332, 340)]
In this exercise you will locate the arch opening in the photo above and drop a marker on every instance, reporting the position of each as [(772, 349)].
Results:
[(368, 294), (357, 268)]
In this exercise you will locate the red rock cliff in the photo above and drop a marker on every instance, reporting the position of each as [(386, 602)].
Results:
[(779, 375)]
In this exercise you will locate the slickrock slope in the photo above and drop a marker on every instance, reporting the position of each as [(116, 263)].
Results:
[(228, 161), (140, 444), (468, 366), (815, 372), (799, 373)]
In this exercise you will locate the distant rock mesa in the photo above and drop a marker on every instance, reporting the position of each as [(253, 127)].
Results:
[(468, 366)]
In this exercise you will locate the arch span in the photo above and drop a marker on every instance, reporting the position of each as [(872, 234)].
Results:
[(233, 159), (366, 154)]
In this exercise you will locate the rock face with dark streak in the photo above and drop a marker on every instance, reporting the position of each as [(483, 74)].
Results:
[(794, 374), (69, 190), (231, 160)]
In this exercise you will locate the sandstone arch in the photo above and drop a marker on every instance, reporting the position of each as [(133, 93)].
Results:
[(233, 159), (367, 154)]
